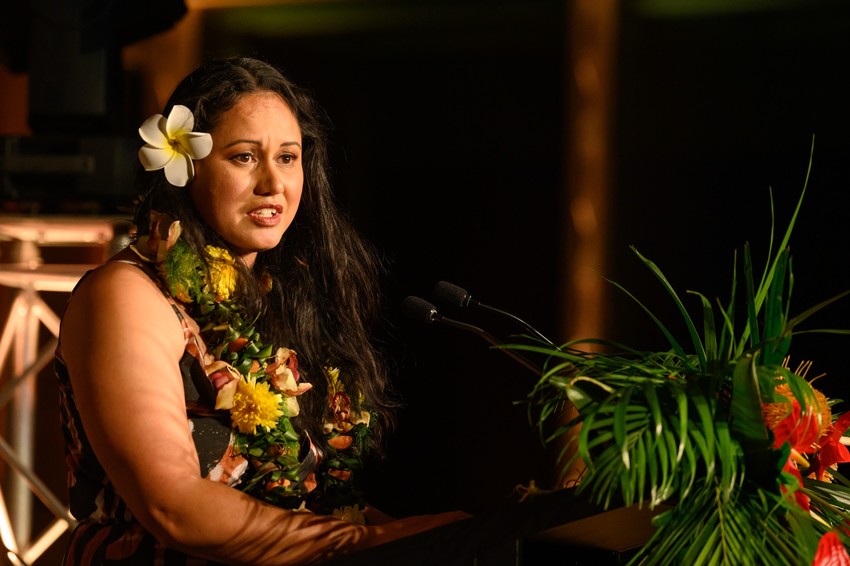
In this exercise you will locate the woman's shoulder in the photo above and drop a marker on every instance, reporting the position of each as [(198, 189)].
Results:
[(118, 300), (124, 282), (124, 268)]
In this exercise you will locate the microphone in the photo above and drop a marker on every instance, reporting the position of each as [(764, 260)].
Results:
[(453, 295), (423, 311)]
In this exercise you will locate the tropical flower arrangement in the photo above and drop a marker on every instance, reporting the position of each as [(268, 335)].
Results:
[(256, 384), (738, 448)]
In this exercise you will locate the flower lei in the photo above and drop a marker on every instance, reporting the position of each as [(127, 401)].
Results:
[(257, 385)]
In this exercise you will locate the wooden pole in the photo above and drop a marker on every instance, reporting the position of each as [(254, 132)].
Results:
[(592, 30)]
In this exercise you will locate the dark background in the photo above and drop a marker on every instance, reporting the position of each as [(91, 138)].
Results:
[(449, 152), (448, 147), (451, 155)]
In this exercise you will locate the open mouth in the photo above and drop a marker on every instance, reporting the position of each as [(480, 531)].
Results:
[(266, 212)]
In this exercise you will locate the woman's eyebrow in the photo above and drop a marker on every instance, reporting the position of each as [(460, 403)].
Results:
[(256, 142)]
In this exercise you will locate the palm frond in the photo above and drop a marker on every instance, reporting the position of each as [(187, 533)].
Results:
[(692, 330), (711, 528)]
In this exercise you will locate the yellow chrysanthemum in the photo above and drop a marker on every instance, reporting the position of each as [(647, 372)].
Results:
[(222, 273), (255, 405)]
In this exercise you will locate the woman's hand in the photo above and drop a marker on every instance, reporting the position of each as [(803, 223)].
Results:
[(408, 526)]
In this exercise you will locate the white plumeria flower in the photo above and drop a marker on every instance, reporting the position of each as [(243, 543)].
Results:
[(171, 144)]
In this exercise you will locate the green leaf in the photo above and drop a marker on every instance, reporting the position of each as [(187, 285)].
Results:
[(698, 346), (752, 307), (620, 427), (776, 338), (668, 335), (794, 322), (729, 453), (709, 330), (746, 420)]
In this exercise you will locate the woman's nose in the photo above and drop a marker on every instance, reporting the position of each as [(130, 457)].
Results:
[(272, 180)]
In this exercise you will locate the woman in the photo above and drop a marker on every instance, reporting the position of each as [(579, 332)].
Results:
[(247, 318)]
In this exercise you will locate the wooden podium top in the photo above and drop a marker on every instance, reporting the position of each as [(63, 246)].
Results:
[(617, 530), (495, 539)]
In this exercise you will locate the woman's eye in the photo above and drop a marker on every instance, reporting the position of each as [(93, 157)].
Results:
[(287, 158), (243, 157)]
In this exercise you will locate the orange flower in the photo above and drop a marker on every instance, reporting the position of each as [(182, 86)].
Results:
[(225, 378), (831, 551), (789, 423), (343, 475), (831, 450), (283, 373), (340, 441)]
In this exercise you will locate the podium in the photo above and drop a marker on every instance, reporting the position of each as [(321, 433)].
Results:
[(558, 527), (24, 353)]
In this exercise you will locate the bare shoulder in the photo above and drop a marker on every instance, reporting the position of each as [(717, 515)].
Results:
[(115, 277), (117, 298)]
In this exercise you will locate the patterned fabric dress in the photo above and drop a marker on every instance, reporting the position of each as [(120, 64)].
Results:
[(108, 533)]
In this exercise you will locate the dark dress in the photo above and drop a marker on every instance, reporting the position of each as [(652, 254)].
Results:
[(107, 532)]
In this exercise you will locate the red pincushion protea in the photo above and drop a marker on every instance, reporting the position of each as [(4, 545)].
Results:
[(791, 424)]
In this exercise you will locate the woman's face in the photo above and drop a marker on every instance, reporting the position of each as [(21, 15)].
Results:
[(248, 188)]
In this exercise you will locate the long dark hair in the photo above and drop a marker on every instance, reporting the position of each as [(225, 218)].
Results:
[(326, 294)]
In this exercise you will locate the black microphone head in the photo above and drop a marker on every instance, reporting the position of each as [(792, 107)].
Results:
[(419, 309), (451, 294)]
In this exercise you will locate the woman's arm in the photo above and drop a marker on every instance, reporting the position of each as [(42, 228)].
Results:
[(122, 342)]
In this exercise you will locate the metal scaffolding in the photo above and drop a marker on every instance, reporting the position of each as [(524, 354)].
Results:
[(24, 354)]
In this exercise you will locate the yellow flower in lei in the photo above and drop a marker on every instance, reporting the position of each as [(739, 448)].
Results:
[(255, 405), (222, 277)]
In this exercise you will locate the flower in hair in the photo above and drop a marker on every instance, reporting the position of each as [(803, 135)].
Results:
[(171, 144)]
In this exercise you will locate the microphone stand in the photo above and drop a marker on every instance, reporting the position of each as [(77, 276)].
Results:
[(452, 294), (423, 310)]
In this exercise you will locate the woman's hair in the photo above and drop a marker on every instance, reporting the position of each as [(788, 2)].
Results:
[(326, 293)]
